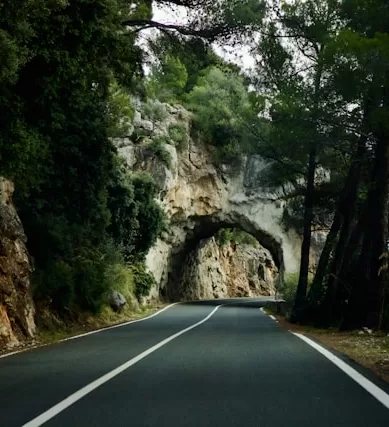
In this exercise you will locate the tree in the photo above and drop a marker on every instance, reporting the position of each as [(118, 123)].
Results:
[(168, 79), (63, 85), (221, 104), (293, 75), (364, 50), (206, 19)]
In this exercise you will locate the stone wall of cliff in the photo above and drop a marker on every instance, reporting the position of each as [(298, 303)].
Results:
[(228, 271), (16, 304), (200, 197)]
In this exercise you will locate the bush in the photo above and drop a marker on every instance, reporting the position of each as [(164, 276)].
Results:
[(79, 282), (219, 101), (288, 291), (56, 283), (143, 280), (290, 287), (136, 218), (151, 217), (154, 110), (229, 154), (158, 148), (168, 79), (178, 134), (121, 279), (120, 111), (226, 235)]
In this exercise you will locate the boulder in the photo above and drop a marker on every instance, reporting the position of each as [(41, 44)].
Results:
[(117, 301)]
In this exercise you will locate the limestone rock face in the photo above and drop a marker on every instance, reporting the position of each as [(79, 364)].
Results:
[(200, 197), (16, 304), (233, 270)]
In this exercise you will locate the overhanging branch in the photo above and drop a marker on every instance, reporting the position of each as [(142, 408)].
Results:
[(207, 33)]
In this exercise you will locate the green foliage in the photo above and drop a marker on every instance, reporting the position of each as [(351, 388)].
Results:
[(80, 281), (151, 217), (222, 110), (143, 280), (217, 99), (154, 110), (168, 79), (82, 217), (227, 235), (120, 111), (178, 134), (193, 53), (136, 219), (158, 148), (121, 278), (289, 288), (230, 154)]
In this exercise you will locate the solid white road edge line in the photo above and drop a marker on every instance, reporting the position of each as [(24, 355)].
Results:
[(270, 315), (370, 387), (70, 400), (119, 325)]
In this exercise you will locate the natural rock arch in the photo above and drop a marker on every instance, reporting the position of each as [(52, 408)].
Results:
[(200, 197), (204, 227)]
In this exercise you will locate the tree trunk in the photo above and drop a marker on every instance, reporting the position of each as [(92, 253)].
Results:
[(346, 208), (368, 293), (302, 286), (316, 290), (378, 226)]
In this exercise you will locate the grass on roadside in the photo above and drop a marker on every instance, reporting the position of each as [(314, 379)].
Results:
[(369, 350), (91, 322), (58, 330)]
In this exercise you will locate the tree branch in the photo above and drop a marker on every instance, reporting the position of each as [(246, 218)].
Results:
[(207, 33)]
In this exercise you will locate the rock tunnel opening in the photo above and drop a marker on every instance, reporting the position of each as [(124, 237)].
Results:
[(206, 227)]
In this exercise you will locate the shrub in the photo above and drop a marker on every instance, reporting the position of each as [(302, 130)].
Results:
[(55, 283), (120, 111), (143, 280), (151, 217), (79, 282), (136, 218), (154, 110), (168, 79), (229, 154), (158, 148), (178, 134), (219, 101), (121, 278), (290, 286), (226, 235)]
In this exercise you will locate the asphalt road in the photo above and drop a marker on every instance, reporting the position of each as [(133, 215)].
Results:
[(236, 368)]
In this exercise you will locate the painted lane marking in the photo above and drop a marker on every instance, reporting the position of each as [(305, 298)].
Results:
[(73, 398), (119, 325), (270, 315), (370, 387)]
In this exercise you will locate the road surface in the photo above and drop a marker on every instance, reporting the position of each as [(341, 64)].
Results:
[(198, 364)]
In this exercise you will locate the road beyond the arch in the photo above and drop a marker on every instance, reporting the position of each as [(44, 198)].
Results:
[(211, 363)]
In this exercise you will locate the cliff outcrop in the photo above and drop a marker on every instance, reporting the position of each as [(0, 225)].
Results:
[(16, 304)]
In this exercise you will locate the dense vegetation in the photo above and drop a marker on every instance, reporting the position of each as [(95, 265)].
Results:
[(317, 108), (315, 105), (65, 76)]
